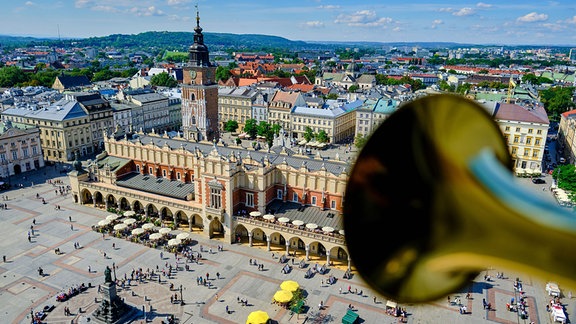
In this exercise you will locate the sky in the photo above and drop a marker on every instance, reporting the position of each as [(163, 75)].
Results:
[(503, 22)]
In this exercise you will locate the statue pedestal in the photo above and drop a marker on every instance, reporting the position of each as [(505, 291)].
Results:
[(112, 308)]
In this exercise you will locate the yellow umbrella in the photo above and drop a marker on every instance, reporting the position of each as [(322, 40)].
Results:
[(258, 317), (289, 285), (283, 296)]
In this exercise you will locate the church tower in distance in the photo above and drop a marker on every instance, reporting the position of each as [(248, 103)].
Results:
[(199, 92)]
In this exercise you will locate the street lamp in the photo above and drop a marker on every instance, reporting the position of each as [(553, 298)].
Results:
[(181, 299), (114, 269)]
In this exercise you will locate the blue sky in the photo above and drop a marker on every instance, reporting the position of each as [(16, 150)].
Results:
[(486, 22)]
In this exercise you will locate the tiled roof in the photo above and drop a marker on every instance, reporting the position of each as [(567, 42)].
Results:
[(308, 214), (160, 186), (312, 164), (533, 114)]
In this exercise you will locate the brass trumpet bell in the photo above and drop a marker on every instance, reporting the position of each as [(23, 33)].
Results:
[(431, 202)]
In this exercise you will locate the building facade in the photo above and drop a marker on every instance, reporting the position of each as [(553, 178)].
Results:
[(20, 150), (199, 92), (212, 190), (235, 104)]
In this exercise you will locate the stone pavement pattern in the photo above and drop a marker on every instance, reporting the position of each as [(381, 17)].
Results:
[(22, 289)]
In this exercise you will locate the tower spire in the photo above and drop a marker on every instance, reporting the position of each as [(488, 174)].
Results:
[(198, 52)]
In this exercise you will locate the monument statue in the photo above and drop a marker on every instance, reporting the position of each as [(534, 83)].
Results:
[(107, 274)]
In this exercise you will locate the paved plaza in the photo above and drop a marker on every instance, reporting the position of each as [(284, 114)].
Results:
[(22, 289)]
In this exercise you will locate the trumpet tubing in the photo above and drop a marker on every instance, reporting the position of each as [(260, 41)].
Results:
[(431, 202)]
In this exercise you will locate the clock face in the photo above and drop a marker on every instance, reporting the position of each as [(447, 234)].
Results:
[(193, 74)]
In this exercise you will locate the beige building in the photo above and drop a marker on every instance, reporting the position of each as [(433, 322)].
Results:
[(280, 108), (222, 192), (372, 113), (525, 129), (235, 104), (20, 149), (567, 135), (65, 128)]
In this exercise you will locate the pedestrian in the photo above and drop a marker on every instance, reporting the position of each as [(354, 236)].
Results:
[(4, 258), (89, 269), (321, 282), (29, 238), (161, 256), (114, 246), (218, 275), (227, 310), (374, 299), (34, 221), (71, 227), (216, 297), (340, 290), (349, 289)]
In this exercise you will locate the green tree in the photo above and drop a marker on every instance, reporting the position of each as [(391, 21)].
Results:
[(251, 128), (262, 128), (164, 80), (11, 76), (332, 96), (566, 177), (557, 100), (276, 129), (231, 126), (308, 134), (222, 73), (353, 88), (322, 136), (360, 141)]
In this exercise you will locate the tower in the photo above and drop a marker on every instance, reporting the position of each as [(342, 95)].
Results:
[(199, 92)]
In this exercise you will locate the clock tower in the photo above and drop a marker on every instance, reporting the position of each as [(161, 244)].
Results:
[(199, 92)]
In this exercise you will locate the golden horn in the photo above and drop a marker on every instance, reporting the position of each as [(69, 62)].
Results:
[(431, 202)]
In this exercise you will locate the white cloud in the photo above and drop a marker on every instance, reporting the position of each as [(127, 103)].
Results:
[(571, 20), (313, 24), (436, 22), (483, 5), (554, 27), (176, 2), (105, 9), (329, 7), (29, 3), (397, 29), (464, 12), (533, 17), (149, 11), (83, 3), (446, 9), (363, 18)]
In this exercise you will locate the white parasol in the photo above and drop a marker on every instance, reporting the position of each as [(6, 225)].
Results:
[(173, 242), (129, 221), (268, 217), (183, 236), (129, 213), (311, 226), (119, 227), (113, 217), (298, 222), (255, 214), (155, 236), (283, 219), (104, 222), (148, 226), (137, 231), (328, 229), (164, 230)]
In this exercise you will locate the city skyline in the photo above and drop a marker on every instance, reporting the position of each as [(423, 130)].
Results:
[(500, 23)]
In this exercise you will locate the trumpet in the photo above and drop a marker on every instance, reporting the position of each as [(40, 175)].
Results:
[(431, 202)]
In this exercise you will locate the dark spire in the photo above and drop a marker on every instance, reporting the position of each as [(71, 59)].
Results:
[(198, 52)]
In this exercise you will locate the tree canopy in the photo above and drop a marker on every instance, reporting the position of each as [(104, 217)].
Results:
[(164, 80), (557, 100), (231, 126)]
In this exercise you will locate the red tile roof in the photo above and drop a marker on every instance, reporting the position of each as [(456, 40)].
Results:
[(534, 114)]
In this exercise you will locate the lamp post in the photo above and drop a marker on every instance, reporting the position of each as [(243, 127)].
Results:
[(114, 269), (181, 299)]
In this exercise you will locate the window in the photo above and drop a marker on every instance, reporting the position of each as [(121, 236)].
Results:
[(537, 141), (517, 129), (178, 175), (14, 155), (539, 132), (249, 199), (530, 130), (215, 198), (313, 200), (25, 152), (34, 150), (278, 193), (526, 152), (138, 168), (295, 196), (514, 150), (333, 204), (164, 173), (516, 139), (529, 140), (150, 170)]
